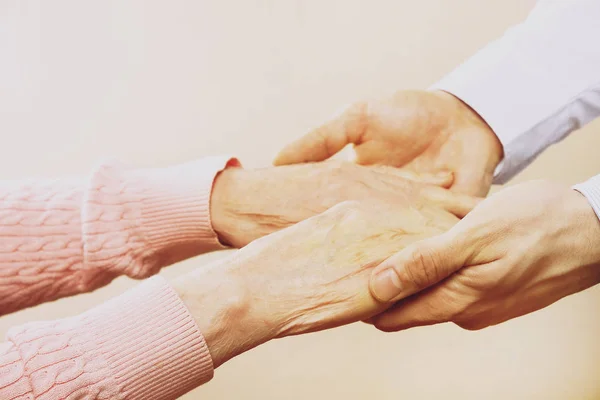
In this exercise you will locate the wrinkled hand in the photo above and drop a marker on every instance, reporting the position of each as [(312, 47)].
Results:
[(248, 204), (311, 276), (418, 130), (517, 252)]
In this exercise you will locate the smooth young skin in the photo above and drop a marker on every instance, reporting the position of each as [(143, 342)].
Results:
[(422, 131), (519, 251), (249, 204), (311, 276)]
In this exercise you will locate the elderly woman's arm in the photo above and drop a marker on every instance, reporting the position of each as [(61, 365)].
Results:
[(68, 236), (159, 341)]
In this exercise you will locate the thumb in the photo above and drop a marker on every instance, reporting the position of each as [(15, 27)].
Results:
[(417, 267), (326, 140)]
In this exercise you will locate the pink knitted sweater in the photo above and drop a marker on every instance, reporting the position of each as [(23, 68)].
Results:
[(63, 237)]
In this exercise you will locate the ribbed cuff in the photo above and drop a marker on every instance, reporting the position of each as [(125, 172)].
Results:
[(143, 344), (151, 342), (136, 221), (178, 211), (591, 190)]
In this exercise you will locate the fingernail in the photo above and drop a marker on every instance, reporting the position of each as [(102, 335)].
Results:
[(386, 285)]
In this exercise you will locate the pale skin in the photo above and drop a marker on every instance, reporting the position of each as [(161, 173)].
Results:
[(249, 204), (518, 251), (487, 269), (308, 277), (420, 131), (306, 258)]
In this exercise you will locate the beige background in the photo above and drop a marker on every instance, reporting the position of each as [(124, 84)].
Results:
[(159, 82)]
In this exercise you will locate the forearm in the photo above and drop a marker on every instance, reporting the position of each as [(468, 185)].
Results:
[(63, 237), (537, 83), (153, 342), (222, 307)]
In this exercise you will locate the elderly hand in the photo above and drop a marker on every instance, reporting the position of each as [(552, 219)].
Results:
[(517, 252), (418, 130), (308, 277), (248, 204)]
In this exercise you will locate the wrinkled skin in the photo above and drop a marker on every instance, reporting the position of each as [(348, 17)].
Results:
[(248, 204), (310, 276)]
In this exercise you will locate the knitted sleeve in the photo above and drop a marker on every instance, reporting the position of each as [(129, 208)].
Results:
[(62, 237), (142, 345), (68, 236)]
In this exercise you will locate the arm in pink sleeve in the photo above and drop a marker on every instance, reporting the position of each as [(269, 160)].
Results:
[(142, 345), (63, 237)]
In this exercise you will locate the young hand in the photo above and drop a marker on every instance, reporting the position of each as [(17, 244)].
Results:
[(418, 130), (519, 251)]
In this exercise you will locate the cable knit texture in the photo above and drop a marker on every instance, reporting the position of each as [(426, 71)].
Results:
[(63, 237)]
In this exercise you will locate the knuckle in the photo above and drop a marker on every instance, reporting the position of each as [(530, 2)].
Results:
[(486, 281), (423, 268), (460, 305)]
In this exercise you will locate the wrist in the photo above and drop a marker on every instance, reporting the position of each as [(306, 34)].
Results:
[(245, 206), (222, 308), (469, 118), (226, 218)]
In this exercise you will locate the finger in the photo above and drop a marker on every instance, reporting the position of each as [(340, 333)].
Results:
[(326, 140), (417, 267), (442, 179), (374, 152), (426, 308), (456, 203)]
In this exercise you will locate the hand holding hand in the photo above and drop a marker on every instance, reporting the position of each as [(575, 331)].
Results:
[(418, 130), (517, 252), (248, 204), (311, 276)]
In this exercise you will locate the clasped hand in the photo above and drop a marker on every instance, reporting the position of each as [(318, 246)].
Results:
[(310, 276), (309, 264), (518, 251)]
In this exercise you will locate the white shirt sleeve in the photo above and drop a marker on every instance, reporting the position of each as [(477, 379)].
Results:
[(591, 190), (537, 83)]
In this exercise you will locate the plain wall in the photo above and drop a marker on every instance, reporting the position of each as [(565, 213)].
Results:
[(160, 82)]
